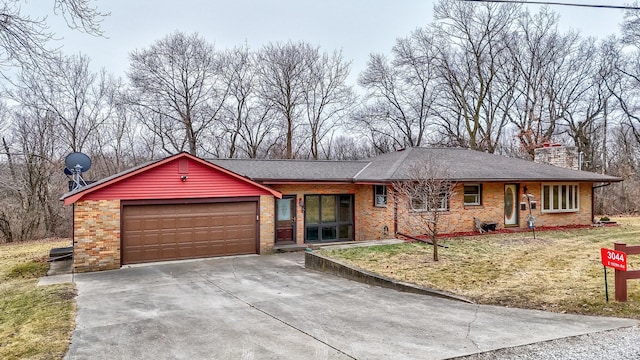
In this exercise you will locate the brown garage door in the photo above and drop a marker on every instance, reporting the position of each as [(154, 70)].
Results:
[(184, 231)]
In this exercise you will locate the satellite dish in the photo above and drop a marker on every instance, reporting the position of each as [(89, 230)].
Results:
[(77, 162)]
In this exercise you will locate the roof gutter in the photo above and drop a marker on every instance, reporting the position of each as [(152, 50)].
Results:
[(603, 185)]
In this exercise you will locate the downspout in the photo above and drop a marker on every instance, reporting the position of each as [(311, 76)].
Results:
[(395, 212), (593, 197), (73, 229)]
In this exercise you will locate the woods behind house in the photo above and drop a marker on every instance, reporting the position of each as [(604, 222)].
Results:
[(489, 76)]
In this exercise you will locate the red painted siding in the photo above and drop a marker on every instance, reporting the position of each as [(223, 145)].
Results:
[(165, 182)]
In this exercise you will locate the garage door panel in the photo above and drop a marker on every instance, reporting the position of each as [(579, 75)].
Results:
[(181, 231), (237, 248), (151, 224), (167, 223), (166, 238), (201, 222), (201, 236), (134, 240)]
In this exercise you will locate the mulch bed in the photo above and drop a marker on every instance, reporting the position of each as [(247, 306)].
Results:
[(510, 231)]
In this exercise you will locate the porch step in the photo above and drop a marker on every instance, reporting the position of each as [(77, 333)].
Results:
[(292, 248), (63, 253)]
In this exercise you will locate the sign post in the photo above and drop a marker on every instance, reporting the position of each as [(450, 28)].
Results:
[(614, 259), (606, 287)]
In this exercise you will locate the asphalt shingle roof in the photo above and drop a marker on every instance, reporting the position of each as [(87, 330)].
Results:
[(462, 165), (294, 170), (469, 165)]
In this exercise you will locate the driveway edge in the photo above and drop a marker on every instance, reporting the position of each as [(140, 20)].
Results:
[(321, 263)]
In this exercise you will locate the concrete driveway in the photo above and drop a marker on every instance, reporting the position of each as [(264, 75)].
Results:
[(271, 307)]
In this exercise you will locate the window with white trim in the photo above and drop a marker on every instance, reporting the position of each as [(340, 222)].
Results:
[(422, 202), (379, 195), (472, 194), (560, 198)]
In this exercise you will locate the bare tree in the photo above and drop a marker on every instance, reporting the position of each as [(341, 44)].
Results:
[(631, 27), (30, 189), (123, 140), (283, 72), (345, 147), (538, 52), (303, 86), (400, 92), (239, 73), (178, 80), (426, 191), (587, 107), (327, 98), (250, 125), (476, 70), (78, 99), (24, 39), (626, 88), (622, 197)]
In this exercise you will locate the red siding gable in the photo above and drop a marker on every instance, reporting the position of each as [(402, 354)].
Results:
[(165, 182)]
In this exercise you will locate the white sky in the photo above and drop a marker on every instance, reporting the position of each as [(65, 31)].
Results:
[(358, 27)]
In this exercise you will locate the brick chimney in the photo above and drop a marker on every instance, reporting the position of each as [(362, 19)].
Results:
[(557, 155)]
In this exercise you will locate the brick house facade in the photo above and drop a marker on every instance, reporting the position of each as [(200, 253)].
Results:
[(369, 221), (459, 217), (187, 207)]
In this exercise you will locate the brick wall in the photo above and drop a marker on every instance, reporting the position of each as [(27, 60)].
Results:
[(96, 239), (97, 222), (581, 217), (369, 221), (459, 218), (267, 225)]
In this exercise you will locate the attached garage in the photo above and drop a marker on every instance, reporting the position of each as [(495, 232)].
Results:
[(162, 232), (181, 207)]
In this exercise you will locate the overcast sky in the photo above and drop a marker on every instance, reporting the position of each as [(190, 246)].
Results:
[(358, 27)]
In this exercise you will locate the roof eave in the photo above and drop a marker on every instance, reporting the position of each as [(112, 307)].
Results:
[(304, 181), (501, 180)]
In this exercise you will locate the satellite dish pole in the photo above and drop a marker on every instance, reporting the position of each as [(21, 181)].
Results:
[(75, 164)]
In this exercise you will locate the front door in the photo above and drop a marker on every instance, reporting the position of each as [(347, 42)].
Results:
[(510, 205), (286, 219)]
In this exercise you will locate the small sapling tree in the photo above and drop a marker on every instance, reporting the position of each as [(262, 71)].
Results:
[(426, 191)]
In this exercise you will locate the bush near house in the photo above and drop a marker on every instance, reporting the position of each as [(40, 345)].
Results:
[(35, 322), (559, 271)]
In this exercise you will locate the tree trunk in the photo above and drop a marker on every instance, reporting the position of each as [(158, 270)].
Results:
[(289, 149)]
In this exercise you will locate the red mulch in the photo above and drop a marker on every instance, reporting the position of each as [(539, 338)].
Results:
[(510, 230)]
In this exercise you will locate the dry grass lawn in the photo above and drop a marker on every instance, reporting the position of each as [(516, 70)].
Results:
[(35, 322), (559, 271)]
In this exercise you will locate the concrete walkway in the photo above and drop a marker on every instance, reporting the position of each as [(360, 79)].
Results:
[(271, 307), (60, 272)]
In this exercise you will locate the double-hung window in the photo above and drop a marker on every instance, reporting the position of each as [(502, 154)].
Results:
[(472, 194), (560, 198), (380, 195), (430, 200)]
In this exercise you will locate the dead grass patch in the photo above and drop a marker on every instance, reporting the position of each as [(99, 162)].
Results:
[(35, 322), (558, 271)]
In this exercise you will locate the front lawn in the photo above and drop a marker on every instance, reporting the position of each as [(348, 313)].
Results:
[(35, 322), (559, 271)]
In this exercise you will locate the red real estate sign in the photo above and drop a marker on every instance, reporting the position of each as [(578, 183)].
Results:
[(614, 259)]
